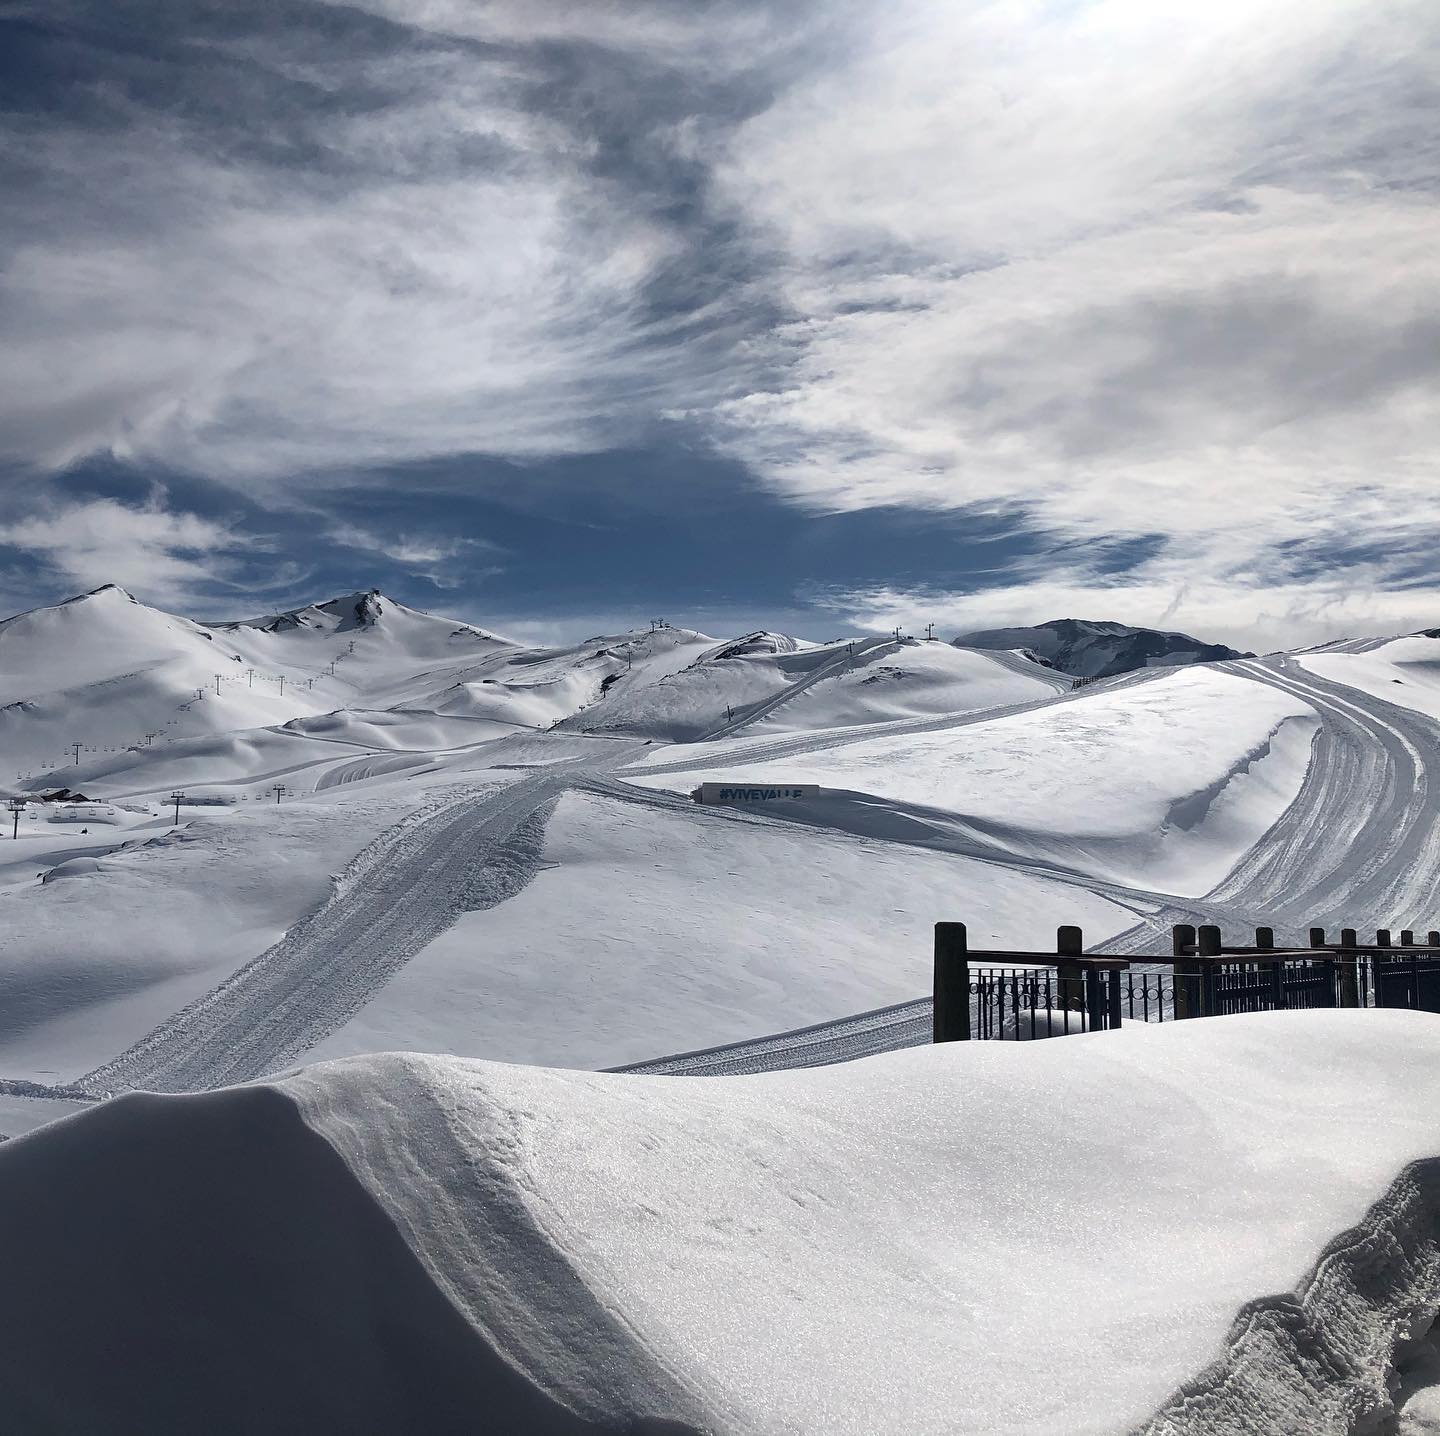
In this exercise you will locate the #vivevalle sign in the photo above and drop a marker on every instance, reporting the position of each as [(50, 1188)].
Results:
[(764, 792)]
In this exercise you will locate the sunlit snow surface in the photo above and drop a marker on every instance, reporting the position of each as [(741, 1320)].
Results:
[(950, 1239), (595, 917), (1161, 785), (1404, 671), (430, 838)]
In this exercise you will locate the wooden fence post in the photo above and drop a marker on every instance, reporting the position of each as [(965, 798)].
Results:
[(1317, 937), (1349, 969), (1207, 944), (1069, 976), (1265, 942), (1187, 1001), (952, 983)]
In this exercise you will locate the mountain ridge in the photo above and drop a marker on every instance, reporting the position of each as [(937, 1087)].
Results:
[(1100, 648)]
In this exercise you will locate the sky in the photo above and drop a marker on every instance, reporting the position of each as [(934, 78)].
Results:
[(812, 314)]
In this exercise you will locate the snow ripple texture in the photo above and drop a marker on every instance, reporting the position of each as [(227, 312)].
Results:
[(1321, 1360)]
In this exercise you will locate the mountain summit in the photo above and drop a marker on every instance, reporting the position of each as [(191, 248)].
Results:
[(1100, 650), (340, 615)]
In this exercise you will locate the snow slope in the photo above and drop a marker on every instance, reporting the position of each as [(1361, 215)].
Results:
[(99, 952), (1156, 785), (151, 699), (107, 672), (916, 680), (926, 1242), (1358, 847), (126, 682), (1405, 670), (660, 928), (548, 686), (957, 783)]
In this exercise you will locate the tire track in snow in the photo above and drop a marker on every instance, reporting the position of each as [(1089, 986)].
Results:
[(1362, 836), (398, 895)]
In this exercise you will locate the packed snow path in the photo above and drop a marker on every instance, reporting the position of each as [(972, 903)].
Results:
[(406, 888), (799, 744), (841, 663), (1363, 834)]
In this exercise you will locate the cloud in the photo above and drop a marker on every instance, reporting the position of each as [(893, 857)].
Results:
[(430, 557), (1152, 283), (249, 250), (402, 548), (1264, 619), (164, 554), (1120, 273)]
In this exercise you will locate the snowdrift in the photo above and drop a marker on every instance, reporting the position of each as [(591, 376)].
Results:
[(1162, 785), (1225, 1226), (1403, 671)]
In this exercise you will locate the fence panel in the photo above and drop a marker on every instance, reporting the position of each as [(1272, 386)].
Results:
[(1412, 982), (1072, 991), (1027, 1004)]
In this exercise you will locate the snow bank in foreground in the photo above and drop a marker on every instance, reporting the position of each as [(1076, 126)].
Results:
[(1047, 1238)]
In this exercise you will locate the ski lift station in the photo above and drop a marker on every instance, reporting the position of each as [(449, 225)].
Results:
[(754, 793)]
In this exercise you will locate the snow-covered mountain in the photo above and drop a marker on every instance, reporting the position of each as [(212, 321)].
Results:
[(106, 694), (355, 829), (1089, 649), (439, 833)]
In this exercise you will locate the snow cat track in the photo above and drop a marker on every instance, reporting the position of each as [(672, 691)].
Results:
[(1367, 791), (403, 891)]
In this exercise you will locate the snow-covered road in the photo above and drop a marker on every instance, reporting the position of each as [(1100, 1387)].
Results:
[(467, 853), (1363, 834)]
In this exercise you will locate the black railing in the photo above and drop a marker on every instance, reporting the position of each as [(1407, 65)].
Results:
[(1029, 995), (1029, 1003), (1410, 980)]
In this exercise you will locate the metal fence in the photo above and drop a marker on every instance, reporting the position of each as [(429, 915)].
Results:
[(1029, 1003), (1024, 996)]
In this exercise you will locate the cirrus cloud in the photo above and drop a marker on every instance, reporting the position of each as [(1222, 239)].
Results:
[(1123, 273)]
